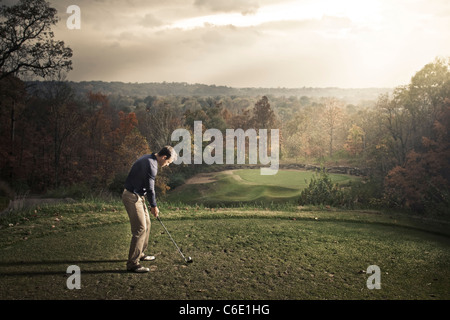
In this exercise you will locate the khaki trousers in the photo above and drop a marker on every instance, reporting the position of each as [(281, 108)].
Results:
[(140, 226)]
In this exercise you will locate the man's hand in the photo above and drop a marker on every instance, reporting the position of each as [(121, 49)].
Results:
[(154, 211)]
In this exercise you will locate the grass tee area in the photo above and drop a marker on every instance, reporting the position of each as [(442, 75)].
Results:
[(252, 252)]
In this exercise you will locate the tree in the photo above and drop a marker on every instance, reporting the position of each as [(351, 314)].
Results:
[(12, 93), (133, 146), (12, 104), (425, 97), (161, 120), (298, 134), (423, 182), (27, 44), (97, 140), (331, 120), (240, 120), (355, 140), (63, 117), (413, 109), (263, 115), (396, 125)]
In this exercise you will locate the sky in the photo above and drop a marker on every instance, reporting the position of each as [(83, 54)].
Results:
[(256, 43)]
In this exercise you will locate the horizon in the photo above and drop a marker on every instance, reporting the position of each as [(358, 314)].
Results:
[(209, 85)]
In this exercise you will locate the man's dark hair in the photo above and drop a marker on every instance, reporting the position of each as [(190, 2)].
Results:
[(167, 151)]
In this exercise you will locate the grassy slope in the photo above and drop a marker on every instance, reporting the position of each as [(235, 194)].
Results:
[(248, 253), (248, 185)]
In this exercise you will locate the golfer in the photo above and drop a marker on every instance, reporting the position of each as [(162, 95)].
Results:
[(139, 184)]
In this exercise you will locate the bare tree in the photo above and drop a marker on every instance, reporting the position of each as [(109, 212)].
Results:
[(27, 44), (161, 120), (63, 117)]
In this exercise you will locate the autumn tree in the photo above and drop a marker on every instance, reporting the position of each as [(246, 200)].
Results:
[(423, 182), (411, 113), (128, 121), (240, 120), (97, 137), (263, 115), (370, 137), (133, 146), (417, 123), (424, 98), (298, 131), (355, 140), (129, 143), (210, 114), (214, 111), (305, 136), (332, 117)]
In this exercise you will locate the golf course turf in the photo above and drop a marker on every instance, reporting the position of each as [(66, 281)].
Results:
[(267, 249), (239, 254)]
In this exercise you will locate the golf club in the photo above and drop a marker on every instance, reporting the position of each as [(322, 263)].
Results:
[(189, 259)]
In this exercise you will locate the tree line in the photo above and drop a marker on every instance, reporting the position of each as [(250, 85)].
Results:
[(51, 137)]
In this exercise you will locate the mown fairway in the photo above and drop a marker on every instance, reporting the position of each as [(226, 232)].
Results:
[(249, 253), (248, 186)]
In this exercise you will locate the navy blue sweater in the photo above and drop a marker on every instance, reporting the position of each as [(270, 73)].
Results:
[(141, 179)]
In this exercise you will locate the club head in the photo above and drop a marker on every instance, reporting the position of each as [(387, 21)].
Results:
[(189, 260)]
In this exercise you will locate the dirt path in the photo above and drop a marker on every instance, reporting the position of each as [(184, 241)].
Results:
[(202, 178)]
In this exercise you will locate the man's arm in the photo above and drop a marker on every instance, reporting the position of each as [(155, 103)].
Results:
[(151, 194)]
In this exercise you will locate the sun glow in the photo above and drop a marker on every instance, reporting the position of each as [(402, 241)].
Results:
[(356, 10)]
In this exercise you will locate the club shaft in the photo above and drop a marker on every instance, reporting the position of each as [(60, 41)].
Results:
[(167, 231)]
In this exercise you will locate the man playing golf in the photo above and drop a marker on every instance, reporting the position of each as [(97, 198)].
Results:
[(139, 184)]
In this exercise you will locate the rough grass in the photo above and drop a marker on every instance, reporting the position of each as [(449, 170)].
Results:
[(242, 253)]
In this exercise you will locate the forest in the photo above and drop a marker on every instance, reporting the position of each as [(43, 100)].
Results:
[(55, 135)]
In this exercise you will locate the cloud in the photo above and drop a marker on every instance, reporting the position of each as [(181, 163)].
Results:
[(150, 21), (243, 6), (290, 44)]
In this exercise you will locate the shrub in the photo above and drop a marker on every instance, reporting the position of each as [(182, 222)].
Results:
[(321, 191), (177, 179)]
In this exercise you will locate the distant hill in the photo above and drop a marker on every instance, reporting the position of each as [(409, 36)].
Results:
[(142, 90)]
